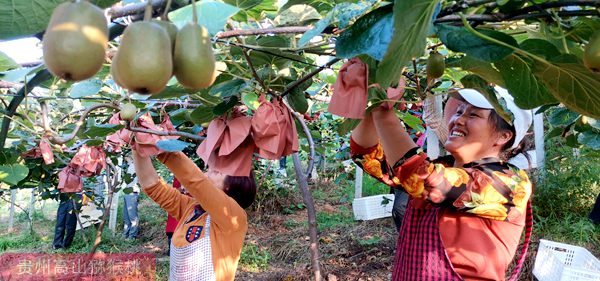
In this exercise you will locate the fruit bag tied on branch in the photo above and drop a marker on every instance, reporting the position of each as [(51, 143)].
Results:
[(87, 162), (228, 146), (351, 91), (273, 129), (143, 142), (42, 151)]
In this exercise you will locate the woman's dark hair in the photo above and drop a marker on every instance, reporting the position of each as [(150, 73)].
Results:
[(241, 189), (507, 152)]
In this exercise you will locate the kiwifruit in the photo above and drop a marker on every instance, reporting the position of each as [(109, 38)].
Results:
[(75, 41), (193, 58), (113, 71), (171, 29), (143, 63), (128, 111), (591, 55), (435, 65)]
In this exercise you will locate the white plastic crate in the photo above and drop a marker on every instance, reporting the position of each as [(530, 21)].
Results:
[(563, 262), (373, 207)]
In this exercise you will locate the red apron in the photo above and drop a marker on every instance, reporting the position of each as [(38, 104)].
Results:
[(420, 254)]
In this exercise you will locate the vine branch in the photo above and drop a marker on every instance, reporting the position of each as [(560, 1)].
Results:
[(524, 13), (252, 69), (56, 139), (308, 76), (302, 179), (161, 133), (16, 101)]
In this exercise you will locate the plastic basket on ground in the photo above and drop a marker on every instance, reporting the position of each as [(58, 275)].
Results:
[(563, 262), (373, 207)]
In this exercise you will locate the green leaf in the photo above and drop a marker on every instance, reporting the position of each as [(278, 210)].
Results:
[(225, 106), (483, 69), (172, 145), (347, 126), (243, 4), (202, 114), (459, 39), (522, 84), (85, 88), (411, 121), (207, 99), (572, 141), (8, 155), (475, 82), (228, 88), (178, 116), (297, 15), (371, 34), (211, 14), (297, 99), (554, 133), (412, 23), (571, 83), (171, 92), (273, 41), (102, 130), (590, 139), (18, 75), (540, 47), (561, 117), (266, 8), (250, 100), (13, 173), (7, 63), (345, 12), (24, 18), (584, 27), (95, 142), (317, 29)]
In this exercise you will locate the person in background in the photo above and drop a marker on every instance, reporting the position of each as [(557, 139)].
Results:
[(171, 224), (66, 220), (131, 193), (595, 213), (467, 211)]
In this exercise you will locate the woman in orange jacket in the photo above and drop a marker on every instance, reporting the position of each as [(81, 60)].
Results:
[(207, 242)]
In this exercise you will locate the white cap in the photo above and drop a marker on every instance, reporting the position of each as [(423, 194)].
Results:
[(521, 118)]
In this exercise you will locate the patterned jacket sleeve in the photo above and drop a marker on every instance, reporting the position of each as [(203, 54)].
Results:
[(491, 190)]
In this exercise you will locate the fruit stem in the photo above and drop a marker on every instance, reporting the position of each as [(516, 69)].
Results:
[(148, 11), (195, 12), (165, 15)]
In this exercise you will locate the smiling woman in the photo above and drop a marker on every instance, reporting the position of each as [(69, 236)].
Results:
[(467, 210)]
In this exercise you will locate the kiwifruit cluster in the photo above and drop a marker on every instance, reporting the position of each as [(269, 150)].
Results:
[(151, 51)]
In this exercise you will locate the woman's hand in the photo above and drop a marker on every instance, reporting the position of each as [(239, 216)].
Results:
[(147, 175)]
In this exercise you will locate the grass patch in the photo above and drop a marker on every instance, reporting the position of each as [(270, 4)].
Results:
[(253, 258), (22, 242), (371, 186), (331, 220)]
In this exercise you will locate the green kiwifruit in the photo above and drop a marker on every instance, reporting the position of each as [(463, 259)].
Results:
[(193, 59), (171, 29), (591, 56), (435, 65), (143, 63), (75, 41), (128, 111)]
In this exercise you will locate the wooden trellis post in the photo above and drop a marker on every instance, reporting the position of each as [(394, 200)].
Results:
[(11, 216)]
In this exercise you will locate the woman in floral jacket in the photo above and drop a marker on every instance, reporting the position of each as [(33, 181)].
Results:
[(467, 210)]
